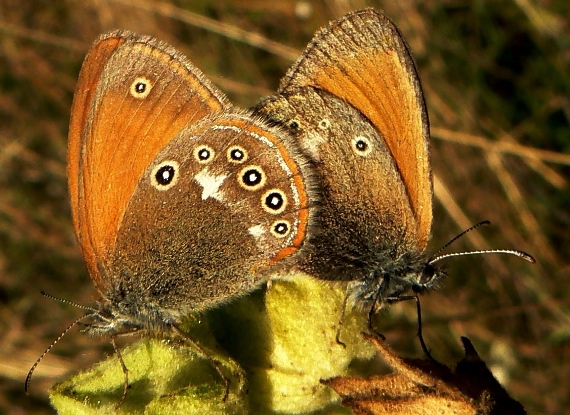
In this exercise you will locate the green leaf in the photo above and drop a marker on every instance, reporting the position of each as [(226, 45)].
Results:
[(278, 344)]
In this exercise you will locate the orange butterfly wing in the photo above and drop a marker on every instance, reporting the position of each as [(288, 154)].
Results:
[(115, 133), (373, 71)]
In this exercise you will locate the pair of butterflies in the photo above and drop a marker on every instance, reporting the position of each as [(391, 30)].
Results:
[(181, 201)]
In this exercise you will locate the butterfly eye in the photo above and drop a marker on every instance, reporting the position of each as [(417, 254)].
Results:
[(252, 177), (280, 228), (361, 146), (140, 88), (237, 154), (165, 175), (274, 201), (204, 154)]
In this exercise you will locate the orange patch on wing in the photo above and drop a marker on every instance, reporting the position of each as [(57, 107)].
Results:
[(114, 136), (85, 89), (380, 87)]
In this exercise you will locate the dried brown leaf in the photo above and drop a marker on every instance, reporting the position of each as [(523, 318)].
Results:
[(425, 386)]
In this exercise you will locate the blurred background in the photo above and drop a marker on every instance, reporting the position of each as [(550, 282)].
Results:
[(497, 85)]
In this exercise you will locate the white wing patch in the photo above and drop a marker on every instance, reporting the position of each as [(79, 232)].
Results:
[(210, 184), (256, 231), (260, 235), (312, 144)]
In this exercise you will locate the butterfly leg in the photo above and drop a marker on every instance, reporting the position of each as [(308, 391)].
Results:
[(341, 318), (416, 297), (125, 373), (420, 328), (371, 313), (215, 364)]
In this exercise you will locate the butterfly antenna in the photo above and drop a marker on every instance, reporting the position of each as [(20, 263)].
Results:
[(33, 368), (61, 300), (520, 254), (435, 255)]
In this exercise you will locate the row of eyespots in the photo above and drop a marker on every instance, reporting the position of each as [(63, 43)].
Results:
[(252, 177), (235, 154), (165, 175), (360, 145)]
